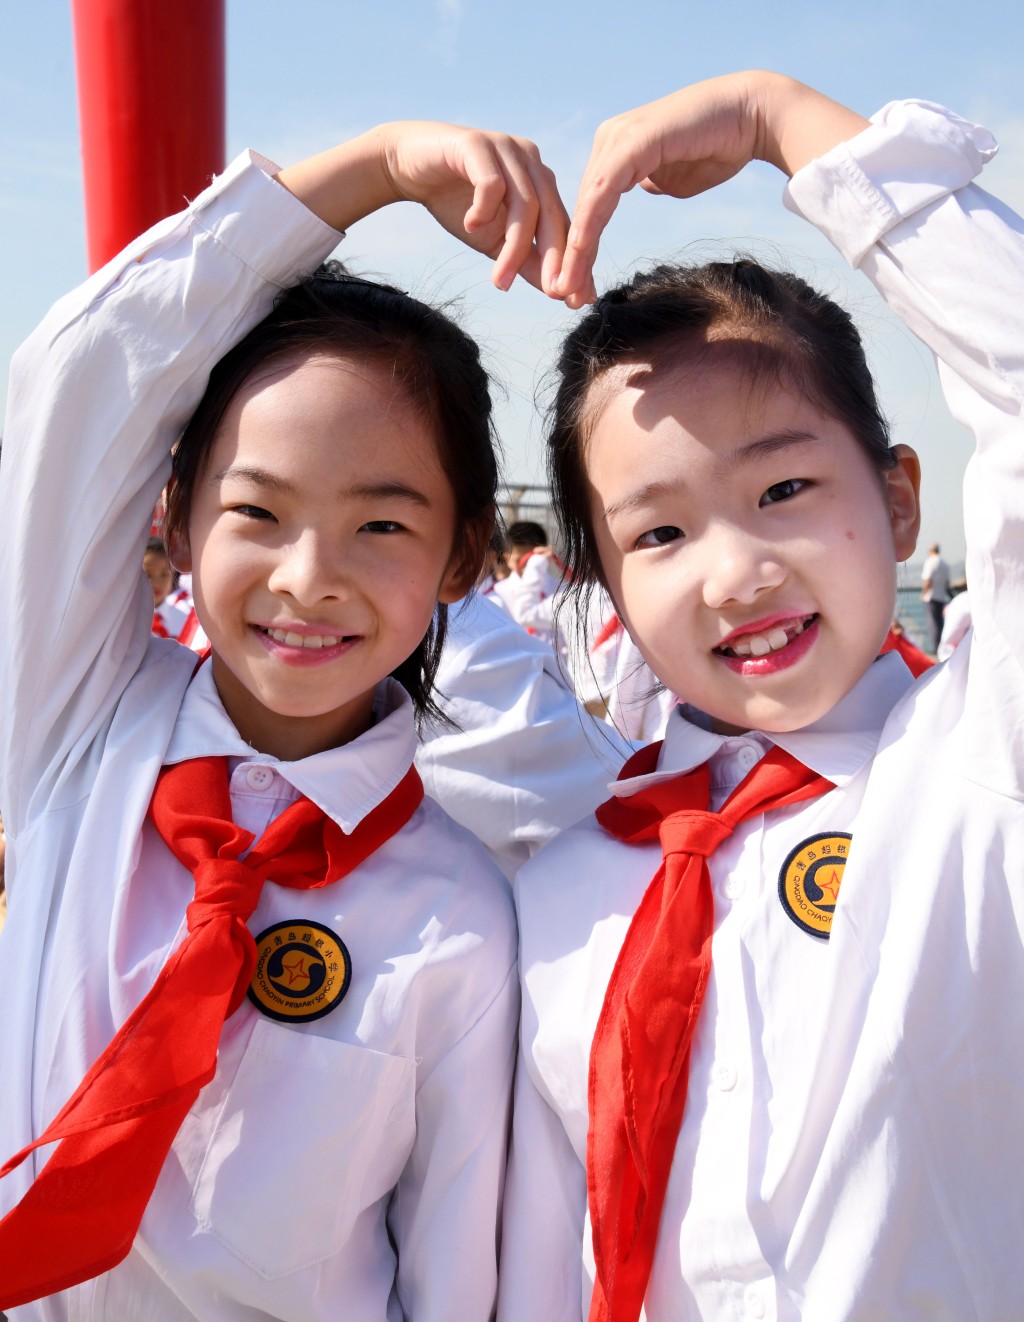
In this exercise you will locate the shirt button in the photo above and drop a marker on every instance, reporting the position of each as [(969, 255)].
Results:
[(754, 1303), (747, 757), (734, 887), (259, 778), (724, 1076)]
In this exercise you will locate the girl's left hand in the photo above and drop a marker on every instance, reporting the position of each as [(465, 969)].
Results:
[(490, 190)]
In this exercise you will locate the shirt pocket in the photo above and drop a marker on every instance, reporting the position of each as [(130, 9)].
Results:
[(311, 1132)]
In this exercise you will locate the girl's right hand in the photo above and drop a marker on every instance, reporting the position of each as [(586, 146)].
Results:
[(690, 141), (490, 190)]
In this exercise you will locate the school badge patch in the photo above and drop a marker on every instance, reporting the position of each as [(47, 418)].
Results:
[(302, 972), (810, 879)]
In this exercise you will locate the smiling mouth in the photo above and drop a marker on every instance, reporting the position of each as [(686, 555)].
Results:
[(313, 641), (771, 640)]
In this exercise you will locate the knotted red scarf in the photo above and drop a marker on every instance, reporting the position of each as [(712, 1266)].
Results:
[(80, 1216), (640, 1056)]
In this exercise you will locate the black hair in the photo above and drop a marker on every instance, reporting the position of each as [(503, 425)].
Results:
[(772, 322), (527, 533), (156, 545), (433, 363)]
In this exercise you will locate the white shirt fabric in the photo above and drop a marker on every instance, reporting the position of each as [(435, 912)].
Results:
[(637, 704), (173, 616), (529, 597), (350, 1166), (851, 1145), (524, 760), (935, 573), (956, 620)]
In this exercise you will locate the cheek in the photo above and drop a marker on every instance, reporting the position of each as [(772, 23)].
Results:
[(222, 564), (606, 552)]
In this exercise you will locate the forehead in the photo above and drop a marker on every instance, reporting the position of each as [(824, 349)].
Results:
[(306, 410), (708, 395), (300, 382)]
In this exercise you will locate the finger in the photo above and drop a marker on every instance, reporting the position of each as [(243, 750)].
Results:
[(615, 166), (552, 230), (482, 169), (522, 207), (552, 225)]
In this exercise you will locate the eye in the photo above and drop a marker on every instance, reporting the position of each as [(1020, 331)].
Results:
[(382, 526), (251, 511), (660, 536), (783, 490)]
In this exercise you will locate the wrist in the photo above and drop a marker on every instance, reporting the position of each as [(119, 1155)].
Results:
[(345, 183), (796, 124)]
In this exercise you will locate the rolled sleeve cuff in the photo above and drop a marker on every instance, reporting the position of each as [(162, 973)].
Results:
[(912, 154)]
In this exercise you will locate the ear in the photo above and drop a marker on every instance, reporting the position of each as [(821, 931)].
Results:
[(467, 560), (903, 492), (179, 552)]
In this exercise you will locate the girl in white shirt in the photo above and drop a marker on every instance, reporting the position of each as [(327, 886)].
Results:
[(339, 1148), (775, 1072)]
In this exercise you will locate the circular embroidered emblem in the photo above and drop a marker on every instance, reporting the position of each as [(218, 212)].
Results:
[(302, 972), (810, 878)]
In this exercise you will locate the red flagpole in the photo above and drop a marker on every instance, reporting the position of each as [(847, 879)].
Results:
[(151, 106)]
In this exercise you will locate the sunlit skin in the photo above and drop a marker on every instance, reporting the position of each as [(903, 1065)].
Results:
[(322, 511), (158, 570), (726, 512)]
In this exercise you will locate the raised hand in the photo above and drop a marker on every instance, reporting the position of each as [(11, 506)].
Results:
[(690, 141), (491, 190)]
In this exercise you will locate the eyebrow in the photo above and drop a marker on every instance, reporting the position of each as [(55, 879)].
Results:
[(762, 448), (260, 477), (769, 445), (384, 490)]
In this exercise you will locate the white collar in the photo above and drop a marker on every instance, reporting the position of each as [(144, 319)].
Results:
[(346, 782), (837, 746)]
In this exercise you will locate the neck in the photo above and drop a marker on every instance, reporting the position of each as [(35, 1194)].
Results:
[(290, 736)]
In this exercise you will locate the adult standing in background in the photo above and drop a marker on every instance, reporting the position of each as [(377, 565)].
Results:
[(935, 593)]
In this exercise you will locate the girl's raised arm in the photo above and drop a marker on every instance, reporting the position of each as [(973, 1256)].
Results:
[(690, 141), (104, 386)]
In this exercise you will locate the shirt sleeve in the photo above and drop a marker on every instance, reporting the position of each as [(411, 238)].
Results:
[(523, 760), (444, 1214), (99, 394), (898, 202)]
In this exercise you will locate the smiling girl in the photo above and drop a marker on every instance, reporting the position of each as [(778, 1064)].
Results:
[(257, 990), (770, 1038)]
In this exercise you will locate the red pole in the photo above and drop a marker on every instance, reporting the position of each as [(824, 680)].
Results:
[(151, 104)]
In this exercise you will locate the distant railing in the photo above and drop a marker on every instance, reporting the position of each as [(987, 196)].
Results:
[(521, 501)]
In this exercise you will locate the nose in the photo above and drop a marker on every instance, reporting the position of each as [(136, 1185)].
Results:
[(738, 567), (309, 570)]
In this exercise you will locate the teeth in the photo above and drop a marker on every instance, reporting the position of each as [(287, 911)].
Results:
[(760, 644), (303, 640)]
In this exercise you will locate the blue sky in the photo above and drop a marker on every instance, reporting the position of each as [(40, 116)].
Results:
[(311, 72)]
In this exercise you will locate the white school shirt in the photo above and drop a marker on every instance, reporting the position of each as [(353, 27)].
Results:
[(321, 1151), (956, 620), (637, 704), (173, 616), (524, 760), (851, 1146), (935, 572)]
